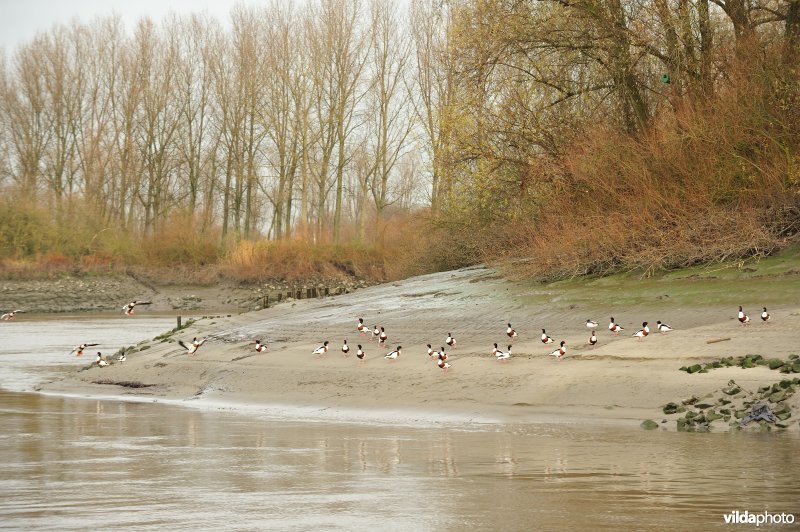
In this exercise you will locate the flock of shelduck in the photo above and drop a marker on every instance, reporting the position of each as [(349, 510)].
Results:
[(380, 334)]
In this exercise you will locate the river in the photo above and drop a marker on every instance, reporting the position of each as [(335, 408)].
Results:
[(78, 463)]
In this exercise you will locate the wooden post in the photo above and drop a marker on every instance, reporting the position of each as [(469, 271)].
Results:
[(280, 296), (179, 322), (310, 293), (266, 301), (327, 291)]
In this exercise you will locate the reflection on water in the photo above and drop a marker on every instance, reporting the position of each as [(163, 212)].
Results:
[(87, 464)]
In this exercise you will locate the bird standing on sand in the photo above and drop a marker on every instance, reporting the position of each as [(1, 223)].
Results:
[(78, 349), (100, 362), (122, 358), (546, 339), (663, 327), (614, 327), (591, 324), (394, 354), (345, 348), (450, 340), (503, 356), (593, 339), (495, 349), (561, 351), (442, 362), (375, 333), (8, 316), (644, 331), (128, 309), (511, 332), (382, 337), (260, 347), (430, 350), (321, 350), (743, 318), (360, 353), (764, 315), (361, 327), (192, 348)]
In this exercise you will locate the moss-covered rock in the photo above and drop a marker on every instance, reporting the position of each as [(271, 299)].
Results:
[(670, 408), (695, 368), (775, 363), (649, 424)]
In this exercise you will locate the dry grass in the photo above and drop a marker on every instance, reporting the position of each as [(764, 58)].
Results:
[(709, 183)]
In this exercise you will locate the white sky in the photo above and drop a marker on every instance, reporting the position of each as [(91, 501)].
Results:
[(21, 20)]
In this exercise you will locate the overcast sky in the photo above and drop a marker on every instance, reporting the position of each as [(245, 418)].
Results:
[(20, 20)]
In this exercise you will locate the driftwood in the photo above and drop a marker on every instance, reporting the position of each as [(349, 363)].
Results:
[(715, 340), (760, 410)]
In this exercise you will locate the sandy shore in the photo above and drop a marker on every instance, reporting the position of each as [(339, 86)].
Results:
[(620, 380)]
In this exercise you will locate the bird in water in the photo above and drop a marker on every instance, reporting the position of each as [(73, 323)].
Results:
[(128, 309), (78, 349), (8, 316)]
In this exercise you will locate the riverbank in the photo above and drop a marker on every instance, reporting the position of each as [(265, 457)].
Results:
[(108, 293), (621, 380)]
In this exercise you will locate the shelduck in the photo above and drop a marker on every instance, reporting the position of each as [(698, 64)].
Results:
[(260, 347), (361, 327), (345, 348), (593, 338), (78, 350), (503, 355), (644, 331), (546, 339), (743, 318), (394, 354), (764, 315), (511, 332), (663, 327), (614, 327), (360, 352), (100, 362), (192, 348), (128, 309), (321, 350), (382, 338), (561, 351), (591, 324), (8, 316), (450, 340)]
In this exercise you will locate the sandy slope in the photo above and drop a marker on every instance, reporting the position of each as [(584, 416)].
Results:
[(619, 380)]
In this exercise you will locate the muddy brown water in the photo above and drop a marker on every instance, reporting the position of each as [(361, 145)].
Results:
[(87, 464)]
